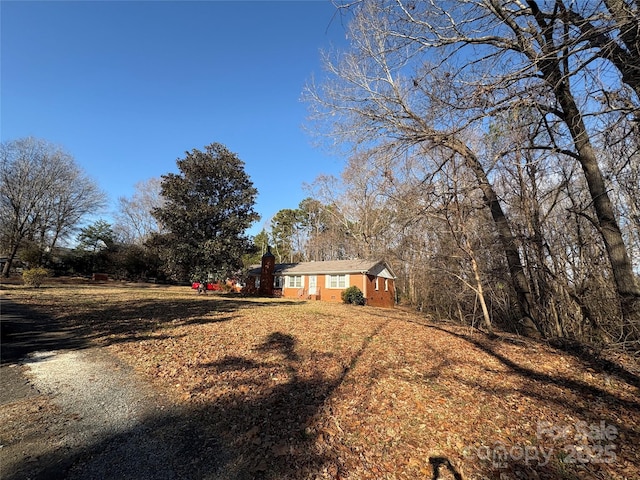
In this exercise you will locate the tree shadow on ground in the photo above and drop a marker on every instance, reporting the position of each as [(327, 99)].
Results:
[(27, 329), (246, 433), (580, 351), (280, 342), (596, 361), (232, 439), (574, 449), (581, 388)]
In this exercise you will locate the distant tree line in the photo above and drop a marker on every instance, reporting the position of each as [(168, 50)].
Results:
[(182, 227)]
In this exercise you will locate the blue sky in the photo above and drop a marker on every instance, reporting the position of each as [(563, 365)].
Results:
[(128, 87)]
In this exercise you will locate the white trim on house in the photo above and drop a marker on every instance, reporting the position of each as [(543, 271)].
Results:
[(381, 271), (364, 285)]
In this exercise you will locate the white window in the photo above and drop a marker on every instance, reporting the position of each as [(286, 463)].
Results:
[(294, 281), (377, 285), (336, 281), (278, 281), (386, 284)]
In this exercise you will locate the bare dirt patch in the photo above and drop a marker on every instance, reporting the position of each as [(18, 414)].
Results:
[(281, 389)]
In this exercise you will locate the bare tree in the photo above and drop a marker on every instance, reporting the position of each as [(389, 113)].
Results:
[(285, 235), (565, 66), (43, 195), (134, 222), (437, 73), (332, 239), (313, 223), (377, 101), (459, 212)]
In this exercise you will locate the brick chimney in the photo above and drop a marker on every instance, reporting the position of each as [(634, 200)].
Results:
[(266, 273)]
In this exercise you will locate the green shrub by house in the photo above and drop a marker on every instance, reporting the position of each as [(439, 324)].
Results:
[(34, 277), (353, 295)]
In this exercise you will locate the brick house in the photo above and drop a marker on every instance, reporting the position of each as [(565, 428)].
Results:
[(324, 280)]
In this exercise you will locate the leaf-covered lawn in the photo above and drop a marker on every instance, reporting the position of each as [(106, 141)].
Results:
[(315, 390)]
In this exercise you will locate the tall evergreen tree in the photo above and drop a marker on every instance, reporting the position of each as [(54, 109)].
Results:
[(207, 208)]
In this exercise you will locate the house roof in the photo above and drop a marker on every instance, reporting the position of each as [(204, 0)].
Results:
[(371, 267)]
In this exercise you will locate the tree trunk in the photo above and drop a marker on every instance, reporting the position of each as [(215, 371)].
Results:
[(556, 77), (9, 262), (480, 293), (621, 265), (527, 321)]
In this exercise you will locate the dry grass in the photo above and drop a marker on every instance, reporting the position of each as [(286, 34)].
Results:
[(316, 390)]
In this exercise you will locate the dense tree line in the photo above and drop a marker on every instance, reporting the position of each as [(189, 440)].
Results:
[(181, 227), (499, 141)]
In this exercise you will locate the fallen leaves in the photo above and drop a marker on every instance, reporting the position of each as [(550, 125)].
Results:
[(318, 390)]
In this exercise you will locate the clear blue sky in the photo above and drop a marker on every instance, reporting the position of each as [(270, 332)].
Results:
[(128, 87)]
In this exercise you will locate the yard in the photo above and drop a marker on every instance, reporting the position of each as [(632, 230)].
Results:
[(295, 389)]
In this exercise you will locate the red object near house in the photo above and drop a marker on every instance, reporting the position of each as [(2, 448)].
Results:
[(210, 286)]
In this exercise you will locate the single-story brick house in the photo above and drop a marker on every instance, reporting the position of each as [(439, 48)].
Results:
[(324, 280)]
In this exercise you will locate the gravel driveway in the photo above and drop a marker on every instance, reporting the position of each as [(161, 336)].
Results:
[(80, 413)]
